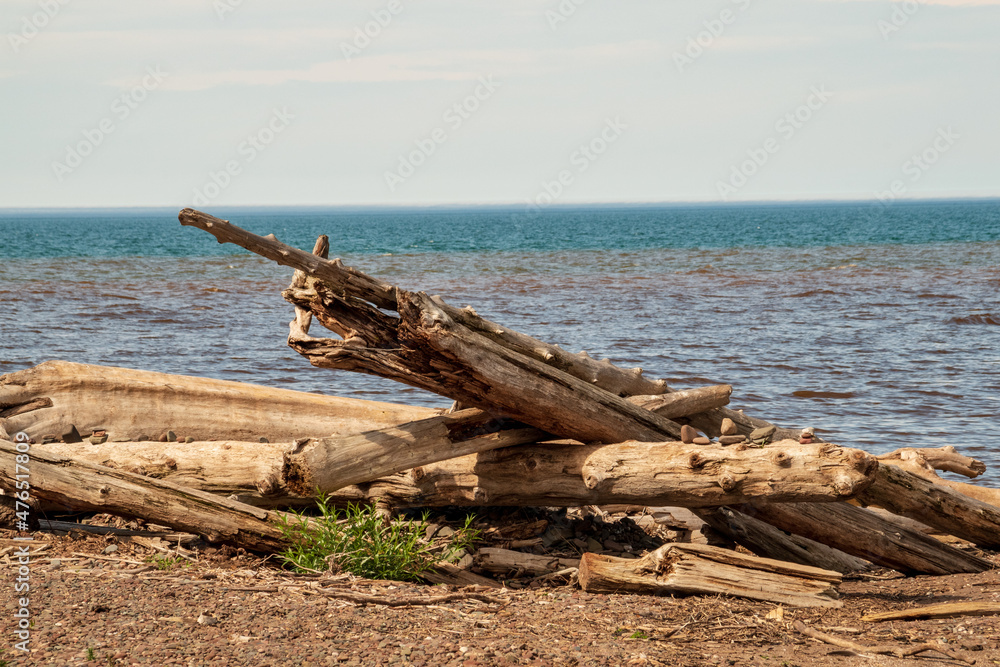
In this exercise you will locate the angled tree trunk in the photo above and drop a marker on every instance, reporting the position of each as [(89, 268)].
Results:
[(937, 506), (864, 534), (765, 540)]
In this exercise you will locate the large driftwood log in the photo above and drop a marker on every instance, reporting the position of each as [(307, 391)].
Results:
[(700, 569), (935, 505), (50, 397), (452, 352), (85, 486), (765, 540), (864, 534), (556, 475)]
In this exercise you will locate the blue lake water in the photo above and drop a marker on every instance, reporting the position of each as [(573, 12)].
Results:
[(877, 325)]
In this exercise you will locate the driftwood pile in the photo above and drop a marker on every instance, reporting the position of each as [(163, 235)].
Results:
[(532, 426)]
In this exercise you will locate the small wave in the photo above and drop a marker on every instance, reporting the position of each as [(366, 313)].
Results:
[(813, 292), (823, 394), (979, 318)]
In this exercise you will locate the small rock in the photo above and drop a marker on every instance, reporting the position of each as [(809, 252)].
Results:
[(188, 439), (142, 438), (762, 435), (263, 439), (205, 619), (49, 438), (98, 439), (171, 436), (805, 441), (808, 432), (731, 439), (163, 437), (728, 427), (111, 548), (55, 563), (688, 434), (71, 435), (702, 440), (594, 546)]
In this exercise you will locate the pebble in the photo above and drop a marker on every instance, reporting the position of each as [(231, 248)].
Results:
[(807, 435), (71, 435), (111, 548), (98, 439), (263, 439), (701, 440), (688, 434), (142, 438), (205, 619), (171, 436), (731, 439), (188, 439), (728, 427), (762, 435)]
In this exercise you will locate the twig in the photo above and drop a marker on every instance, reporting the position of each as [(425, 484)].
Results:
[(881, 650), (116, 560), (360, 598)]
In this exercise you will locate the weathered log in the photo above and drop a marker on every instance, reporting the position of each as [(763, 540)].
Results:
[(249, 471), (536, 475), (935, 505), (81, 485), (434, 346), (924, 462), (50, 397), (517, 564), (864, 534), (703, 570), (765, 540)]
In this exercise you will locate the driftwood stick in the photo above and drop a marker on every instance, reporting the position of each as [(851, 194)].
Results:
[(897, 651), (946, 610), (408, 600)]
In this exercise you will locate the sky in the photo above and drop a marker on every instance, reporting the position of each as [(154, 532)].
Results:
[(420, 102)]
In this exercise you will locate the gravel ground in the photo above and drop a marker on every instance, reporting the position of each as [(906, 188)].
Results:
[(124, 608)]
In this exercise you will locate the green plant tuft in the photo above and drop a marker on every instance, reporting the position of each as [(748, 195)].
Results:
[(360, 541), (90, 654)]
